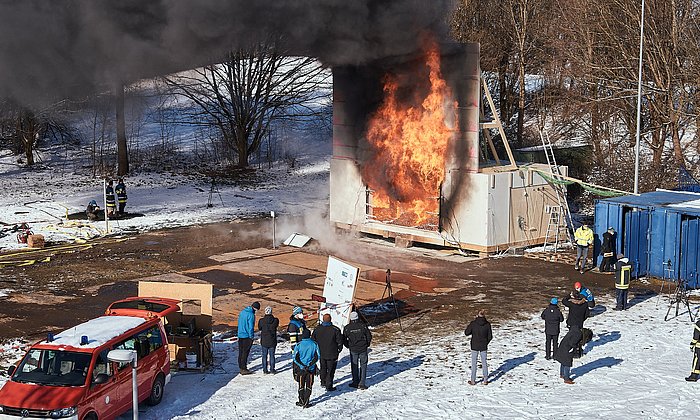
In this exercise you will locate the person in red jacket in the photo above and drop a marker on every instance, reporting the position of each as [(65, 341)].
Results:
[(480, 330)]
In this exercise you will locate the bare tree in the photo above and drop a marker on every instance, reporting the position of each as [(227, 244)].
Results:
[(250, 89)]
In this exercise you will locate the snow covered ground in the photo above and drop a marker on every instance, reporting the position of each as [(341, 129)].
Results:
[(633, 368)]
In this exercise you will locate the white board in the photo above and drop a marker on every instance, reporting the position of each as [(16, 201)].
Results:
[(339, 290), (297, 240)]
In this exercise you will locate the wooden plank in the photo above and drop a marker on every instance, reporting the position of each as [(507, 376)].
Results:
[(500, 126)]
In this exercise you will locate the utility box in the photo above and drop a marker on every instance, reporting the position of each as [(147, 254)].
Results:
[(189, 331)]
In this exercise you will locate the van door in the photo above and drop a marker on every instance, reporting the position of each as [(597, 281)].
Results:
[(103, 397)]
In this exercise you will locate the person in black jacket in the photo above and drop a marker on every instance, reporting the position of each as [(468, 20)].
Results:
[(109, 197), (565, 352), (330, 342), (607, 249), (357, 338), (268, 339), (578, 310), (552, 318), (480, 330)]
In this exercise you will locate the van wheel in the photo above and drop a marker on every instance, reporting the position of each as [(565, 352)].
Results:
[(156, 390), (91, 416)]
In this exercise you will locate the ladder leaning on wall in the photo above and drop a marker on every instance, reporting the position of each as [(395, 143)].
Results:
[(559, 217)]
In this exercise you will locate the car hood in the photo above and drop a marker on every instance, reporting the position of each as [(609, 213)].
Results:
[(39, 397)]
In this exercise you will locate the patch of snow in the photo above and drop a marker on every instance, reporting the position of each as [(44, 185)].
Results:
[(99, 331)]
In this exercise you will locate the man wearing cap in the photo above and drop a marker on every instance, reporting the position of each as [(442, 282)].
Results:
[(330, 342), (585, 293), (246, 326), (584, 238), (357, 338), (268, 339), (552, 318), (296, 327), (305, 356), (623, 274), (607, 249)]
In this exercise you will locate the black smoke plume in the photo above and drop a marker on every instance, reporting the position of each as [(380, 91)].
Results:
[(53, 49)]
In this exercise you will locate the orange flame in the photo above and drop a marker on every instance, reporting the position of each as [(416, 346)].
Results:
[(409, 144)]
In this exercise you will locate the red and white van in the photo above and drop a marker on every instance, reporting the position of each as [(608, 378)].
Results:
[(69, 376)]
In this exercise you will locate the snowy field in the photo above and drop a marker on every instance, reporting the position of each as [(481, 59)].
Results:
[(633, 368)]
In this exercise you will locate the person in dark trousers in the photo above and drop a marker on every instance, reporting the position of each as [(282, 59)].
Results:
[(607, 249), (120, 189), (91, 210), (246, 326), (330, 342), (585, 293), (305, 356), (695, 348), (480, 330), (268, 339), (109, 197), (357, 338), (623, 274), (578, 310), (296, 326), (565, 352), (552, 318)]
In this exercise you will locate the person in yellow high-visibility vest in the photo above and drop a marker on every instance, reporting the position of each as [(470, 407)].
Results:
[(623, 273), (584, 238)]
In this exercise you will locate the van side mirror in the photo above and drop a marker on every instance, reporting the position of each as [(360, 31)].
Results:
[(100, 379), (11, 370)]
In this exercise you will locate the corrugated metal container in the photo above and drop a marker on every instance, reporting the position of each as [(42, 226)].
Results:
[(658, 231)]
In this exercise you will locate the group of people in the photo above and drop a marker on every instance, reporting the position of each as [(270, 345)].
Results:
[(113, 195), (322, 346)]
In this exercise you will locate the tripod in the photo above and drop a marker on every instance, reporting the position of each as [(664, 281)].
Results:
[(387, 288), (666, 276), (214, 189), (680, 296)]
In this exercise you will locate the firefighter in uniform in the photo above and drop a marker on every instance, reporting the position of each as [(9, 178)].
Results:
[(296, 326), (623, 272), (584, 239), (695, 348), (120, 189), (608, 250), (111, 202)]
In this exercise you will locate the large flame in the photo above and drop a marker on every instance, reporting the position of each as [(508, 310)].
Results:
[(409, 142)]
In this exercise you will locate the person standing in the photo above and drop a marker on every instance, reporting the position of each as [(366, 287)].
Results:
[(246, 326), (357, 338), (623, 274), (480, 330), (607, 249), (120, 189), (268, 339), (296, 327), (584, 238), (305, 355), (330, 342), (565, 352), (552, 318), (578, 310), (109, 198), (695, 348), (585, 293)]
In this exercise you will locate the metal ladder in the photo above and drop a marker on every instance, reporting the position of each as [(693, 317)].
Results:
[(554, 227), (560, 190)]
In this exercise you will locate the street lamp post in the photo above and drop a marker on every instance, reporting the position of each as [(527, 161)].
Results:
[(128, 356), (639, 103)]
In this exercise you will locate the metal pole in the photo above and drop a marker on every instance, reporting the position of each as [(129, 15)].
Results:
[(104, 197), (639, 103), (134, 389), (272, 213)]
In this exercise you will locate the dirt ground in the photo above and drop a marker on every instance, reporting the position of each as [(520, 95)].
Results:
[(432, 286)]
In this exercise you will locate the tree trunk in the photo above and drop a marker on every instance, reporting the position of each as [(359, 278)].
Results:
[(122, 153)]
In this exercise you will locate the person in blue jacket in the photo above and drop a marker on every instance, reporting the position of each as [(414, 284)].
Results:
[(246, 326), (305, 355), (585, 293)]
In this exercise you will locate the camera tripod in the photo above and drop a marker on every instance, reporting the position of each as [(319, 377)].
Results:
[(214, 189), (387, 288), (680, 297)]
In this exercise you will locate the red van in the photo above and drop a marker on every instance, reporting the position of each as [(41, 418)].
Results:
[(69, 376)]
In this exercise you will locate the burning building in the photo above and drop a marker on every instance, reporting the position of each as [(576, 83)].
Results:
[(407, 160)]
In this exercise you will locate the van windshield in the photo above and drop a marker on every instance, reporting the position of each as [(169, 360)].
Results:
[(53, 367)]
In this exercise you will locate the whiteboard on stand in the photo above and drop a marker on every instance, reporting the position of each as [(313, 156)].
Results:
[(339, 291)]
